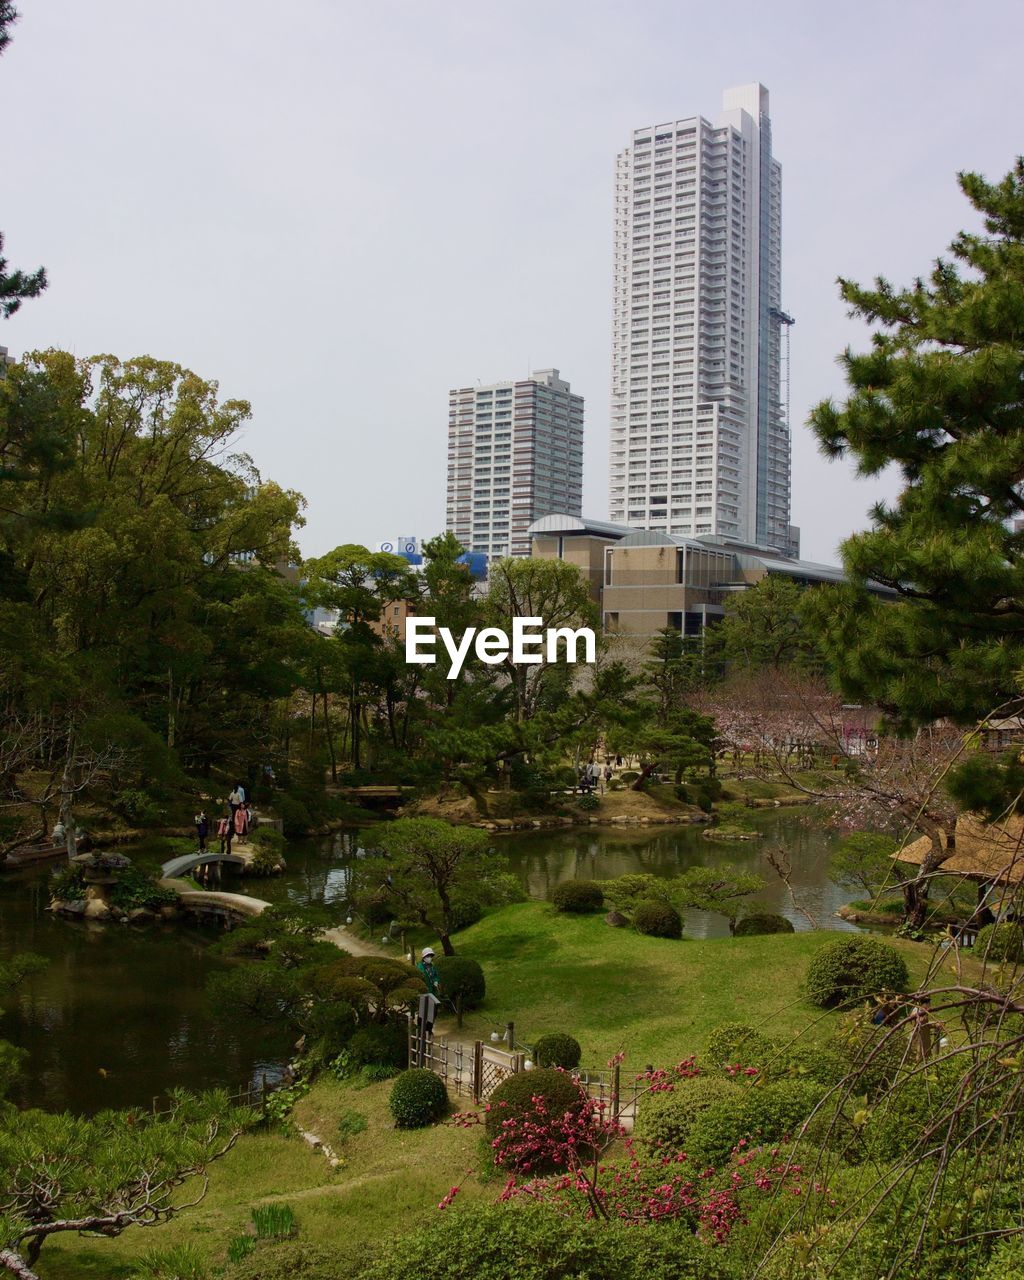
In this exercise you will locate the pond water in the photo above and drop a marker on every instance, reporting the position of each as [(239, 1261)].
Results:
[(120, 1015)]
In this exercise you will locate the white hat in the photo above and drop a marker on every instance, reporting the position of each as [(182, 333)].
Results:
[(427, 951)]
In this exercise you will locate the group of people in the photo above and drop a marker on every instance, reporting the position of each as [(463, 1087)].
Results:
[(594, 777), (235, 823)]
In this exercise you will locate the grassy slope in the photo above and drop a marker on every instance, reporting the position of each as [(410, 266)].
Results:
[(611, 988)]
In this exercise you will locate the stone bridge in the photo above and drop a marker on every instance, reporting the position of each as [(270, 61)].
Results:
[(187, 862)]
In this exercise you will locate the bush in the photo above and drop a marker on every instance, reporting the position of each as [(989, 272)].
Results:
[(134, 888), (664, 1120), (461, 977), (682, 793), (557, 1050), (179, 1262), (822, 1064), (136, 807), (265, 861), (295, 1260), (383, 1044), (735, 1042), (465, 911), (532, 1242), (589, 802), (657, 920), (629, 776), (417, 1099), (294, 815), (578, 896), (762, 923), (514, 1096), (67, 884), (616, 784), (1000, 942), (852, 969)]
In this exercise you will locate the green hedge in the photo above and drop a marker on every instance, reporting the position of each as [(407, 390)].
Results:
[(664, 1120), (1000, 942), (762, 923)]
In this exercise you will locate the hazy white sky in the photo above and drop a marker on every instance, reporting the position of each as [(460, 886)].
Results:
[(341, 209)]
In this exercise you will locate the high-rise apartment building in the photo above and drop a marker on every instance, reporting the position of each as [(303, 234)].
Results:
[(699, 437), (515, 453)]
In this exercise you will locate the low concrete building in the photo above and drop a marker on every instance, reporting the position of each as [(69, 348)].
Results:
[(646, 580)]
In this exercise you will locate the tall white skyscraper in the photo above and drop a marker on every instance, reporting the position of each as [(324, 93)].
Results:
[(515, 453), (699, 438)]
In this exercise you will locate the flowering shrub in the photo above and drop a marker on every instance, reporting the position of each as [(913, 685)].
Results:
[(518, 1094)]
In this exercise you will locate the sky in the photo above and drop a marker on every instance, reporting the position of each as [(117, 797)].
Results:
[(341, 210)]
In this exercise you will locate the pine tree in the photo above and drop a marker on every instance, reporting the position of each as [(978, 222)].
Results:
[(15, 286), (940, 394)]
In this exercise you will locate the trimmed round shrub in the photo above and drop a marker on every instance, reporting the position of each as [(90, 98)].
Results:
[(384, 1044), (822, 1064), (515, 1095), (460, 978), (681, 793), (664, 1120), (735, 1042), (588, 802), (578, 896), (417, 1099), (629, 776), (1000, 943), (534, 1242), (851, 969), (657, 920), (760, 923), (557, 1050)]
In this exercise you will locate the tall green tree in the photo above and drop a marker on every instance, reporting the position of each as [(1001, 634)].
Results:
[(938, 395), (15, 286), (764, 626)]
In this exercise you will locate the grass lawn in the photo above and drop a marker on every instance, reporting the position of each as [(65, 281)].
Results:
[(391, 1179), (654, 998), (611, 988)]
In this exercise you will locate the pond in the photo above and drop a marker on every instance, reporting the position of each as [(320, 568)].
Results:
[(120, 1015)]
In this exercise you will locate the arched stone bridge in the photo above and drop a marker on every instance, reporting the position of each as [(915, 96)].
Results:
[(187, 862)]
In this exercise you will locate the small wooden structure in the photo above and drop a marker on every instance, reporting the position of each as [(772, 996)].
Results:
[(25, 855), (990, 853)]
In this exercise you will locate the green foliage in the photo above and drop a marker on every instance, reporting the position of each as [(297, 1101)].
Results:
[(67, 883), (664, 1120), (588, 802), (461, 979), (578, 896), (851, 969), (273, 1221), (380, 1044), (134, 888), (428, 865), (629, 776), (999, 943), (514, 1096), (268, 838), (296, 1260), (351, 1123), (294, 814), (465, 911), (681, 793), (762, 922), (136, 807), (718, 889), (657, 920), (240, 1247), (624, 892), (179, 1262), (862, 861), (494, 1242), (265, 860), (735, 1043), (763, 627), (938, 394), (557, 1050), (417, 1098), (765, 1113)]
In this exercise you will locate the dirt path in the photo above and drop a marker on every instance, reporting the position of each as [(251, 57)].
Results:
[(355, 946)]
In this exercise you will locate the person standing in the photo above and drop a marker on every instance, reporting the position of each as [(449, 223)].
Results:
[(240, 819), (427, 970), (202, 829), (226, 832), (235, 799)]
